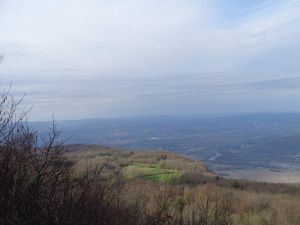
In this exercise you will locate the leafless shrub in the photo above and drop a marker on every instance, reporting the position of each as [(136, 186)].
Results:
[(37, 184), (40, 185)]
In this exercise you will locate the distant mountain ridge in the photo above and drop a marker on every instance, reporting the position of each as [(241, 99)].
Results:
[(238, 141)]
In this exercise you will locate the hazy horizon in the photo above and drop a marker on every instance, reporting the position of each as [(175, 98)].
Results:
[(89, 59), (149, 117)]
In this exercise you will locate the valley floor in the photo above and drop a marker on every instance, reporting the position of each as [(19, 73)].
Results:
[(263, 175)]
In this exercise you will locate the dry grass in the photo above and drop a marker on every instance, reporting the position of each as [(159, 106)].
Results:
[(246, 203), (155, 165)]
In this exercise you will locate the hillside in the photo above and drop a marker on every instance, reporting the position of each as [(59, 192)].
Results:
[(147, 164), (146, 174), (163, 166), (224, 143)]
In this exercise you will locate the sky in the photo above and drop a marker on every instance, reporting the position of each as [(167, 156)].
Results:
[(113, 58)]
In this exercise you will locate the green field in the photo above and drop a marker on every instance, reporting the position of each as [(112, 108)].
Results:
[(152, 172)]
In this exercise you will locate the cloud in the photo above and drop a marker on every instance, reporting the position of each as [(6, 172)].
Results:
[(285, 83), (84, 58)]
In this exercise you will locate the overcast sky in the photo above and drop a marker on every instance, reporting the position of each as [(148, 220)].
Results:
[(112, 58)]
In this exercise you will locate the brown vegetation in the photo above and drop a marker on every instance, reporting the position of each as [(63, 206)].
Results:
[(58, 184)]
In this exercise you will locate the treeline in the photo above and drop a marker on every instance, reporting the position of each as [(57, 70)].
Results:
[(40, 186)]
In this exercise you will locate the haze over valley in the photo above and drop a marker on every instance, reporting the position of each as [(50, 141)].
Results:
[(150, 112), (229, 145)]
